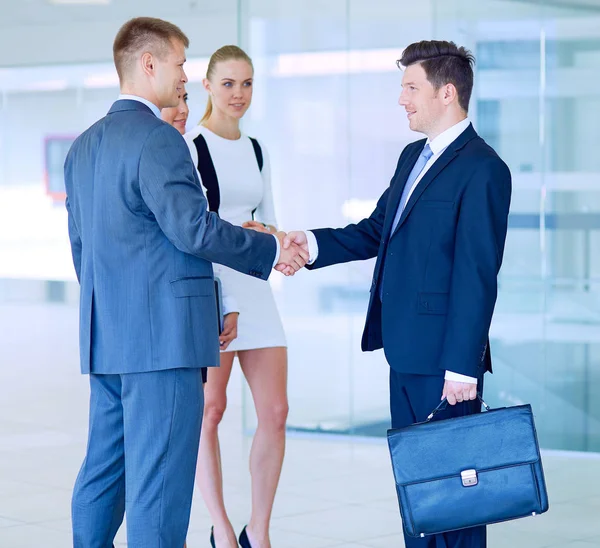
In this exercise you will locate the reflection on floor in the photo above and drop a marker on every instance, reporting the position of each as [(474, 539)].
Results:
[(333, 493)]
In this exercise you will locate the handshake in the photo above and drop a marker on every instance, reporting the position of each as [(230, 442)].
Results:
[(293, 247)]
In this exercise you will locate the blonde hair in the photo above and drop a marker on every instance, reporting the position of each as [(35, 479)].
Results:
[(154, 35), (226, 53)]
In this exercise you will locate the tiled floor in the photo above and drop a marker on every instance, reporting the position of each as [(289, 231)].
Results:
[(332, 493)]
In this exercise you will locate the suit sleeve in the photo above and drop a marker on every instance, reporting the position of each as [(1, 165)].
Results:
[(170, 188), (355, 242), (479, 247), (75, 240)]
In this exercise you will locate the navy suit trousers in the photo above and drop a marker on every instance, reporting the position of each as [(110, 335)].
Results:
[(412, 399)]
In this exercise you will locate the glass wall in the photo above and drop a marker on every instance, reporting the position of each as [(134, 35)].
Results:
[(327, 89), (325, 105)]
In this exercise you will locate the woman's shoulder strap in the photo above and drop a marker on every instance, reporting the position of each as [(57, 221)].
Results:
[(206, 168), (258, 153)]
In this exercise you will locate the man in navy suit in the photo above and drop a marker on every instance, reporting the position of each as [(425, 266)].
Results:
[(438, 233), (143, 245)]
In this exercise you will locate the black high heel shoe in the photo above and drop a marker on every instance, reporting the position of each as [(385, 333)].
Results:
[(212, 537), (244, 542)]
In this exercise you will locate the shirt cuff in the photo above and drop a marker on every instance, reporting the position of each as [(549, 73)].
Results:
[(278, 252), (313, 246), (457, 377), (230, 305)]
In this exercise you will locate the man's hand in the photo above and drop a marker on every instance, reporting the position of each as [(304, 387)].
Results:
[(292, 256), (298, 237), (291, 240), (259, 227), (456, 392), (229, 333)]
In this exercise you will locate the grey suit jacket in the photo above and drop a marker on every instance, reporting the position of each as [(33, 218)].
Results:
[(143, 245)]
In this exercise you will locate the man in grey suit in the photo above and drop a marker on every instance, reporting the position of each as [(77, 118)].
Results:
[(143, 245)]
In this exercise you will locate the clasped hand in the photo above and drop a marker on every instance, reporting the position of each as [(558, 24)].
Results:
[(293, 248)]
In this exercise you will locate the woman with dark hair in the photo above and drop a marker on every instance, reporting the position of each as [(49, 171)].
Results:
[(177, 116)]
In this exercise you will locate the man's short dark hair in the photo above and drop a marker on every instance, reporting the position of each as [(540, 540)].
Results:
[(444, 63), (153, 35)]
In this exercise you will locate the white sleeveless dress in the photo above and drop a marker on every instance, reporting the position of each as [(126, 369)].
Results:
[(243, 188)]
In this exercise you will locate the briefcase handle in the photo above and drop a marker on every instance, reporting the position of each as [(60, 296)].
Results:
[(443, 404)]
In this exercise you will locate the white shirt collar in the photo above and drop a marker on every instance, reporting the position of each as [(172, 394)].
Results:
[(445, 139), (150, 105)]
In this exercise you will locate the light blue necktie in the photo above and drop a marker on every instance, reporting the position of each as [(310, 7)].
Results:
[(422, 160)]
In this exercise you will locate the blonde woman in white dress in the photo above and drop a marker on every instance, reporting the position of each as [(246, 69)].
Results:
[(235, 173)]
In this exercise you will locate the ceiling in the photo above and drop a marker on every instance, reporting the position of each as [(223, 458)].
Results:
[(38, 32), (571, 5), (43, 12)]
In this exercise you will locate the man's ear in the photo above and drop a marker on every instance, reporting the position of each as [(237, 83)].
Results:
[(147, 61), (449, 93)]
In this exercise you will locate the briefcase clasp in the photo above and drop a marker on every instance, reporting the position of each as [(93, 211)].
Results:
[(469, 478)]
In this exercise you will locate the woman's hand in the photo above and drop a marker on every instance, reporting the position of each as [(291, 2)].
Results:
[(259, 227), (229, 332)]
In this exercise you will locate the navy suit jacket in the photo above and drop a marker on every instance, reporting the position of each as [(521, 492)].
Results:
[(143, 245), (438, 270)]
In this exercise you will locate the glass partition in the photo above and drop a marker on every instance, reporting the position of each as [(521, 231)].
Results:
[(327, 89), (325, 106)]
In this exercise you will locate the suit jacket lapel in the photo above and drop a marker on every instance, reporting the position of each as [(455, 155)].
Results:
[(440, 164), (427, 179), (396, 191)]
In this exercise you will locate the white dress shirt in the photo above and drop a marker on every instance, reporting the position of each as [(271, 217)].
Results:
[(149, 104), (438, 146)]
